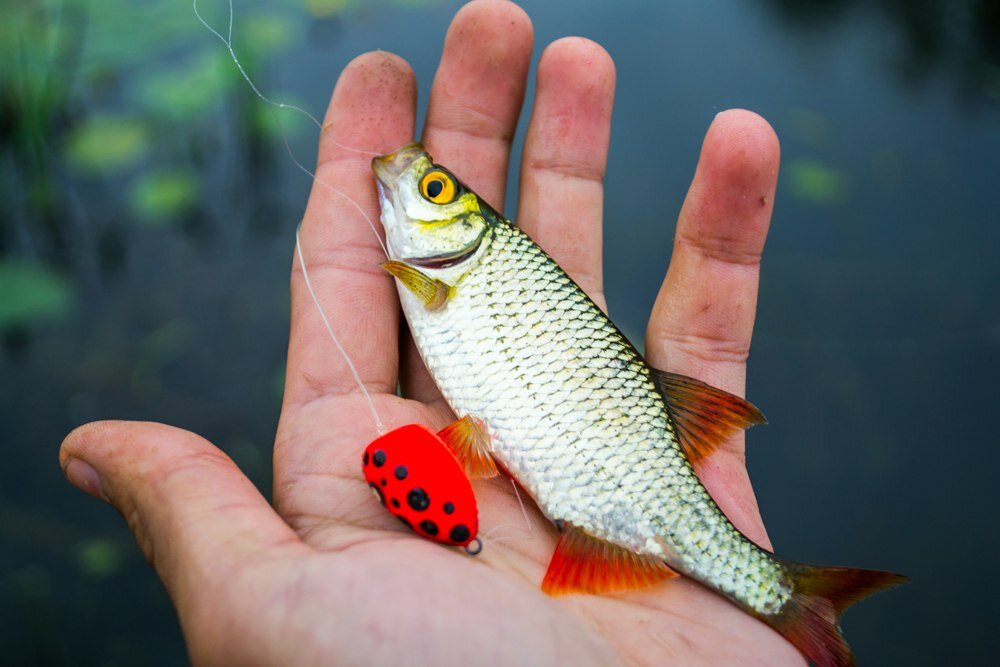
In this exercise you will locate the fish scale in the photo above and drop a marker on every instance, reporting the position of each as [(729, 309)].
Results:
[(574, 415)]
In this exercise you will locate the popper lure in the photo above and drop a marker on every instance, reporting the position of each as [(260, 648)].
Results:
[(418, 476)]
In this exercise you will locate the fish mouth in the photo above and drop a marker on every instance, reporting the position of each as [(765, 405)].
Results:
[(389, 167), (445, 260)]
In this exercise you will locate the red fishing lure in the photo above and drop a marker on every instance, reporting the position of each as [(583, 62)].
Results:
[(417, 477)]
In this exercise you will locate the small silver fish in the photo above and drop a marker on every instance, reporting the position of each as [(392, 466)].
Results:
[(602, 441)]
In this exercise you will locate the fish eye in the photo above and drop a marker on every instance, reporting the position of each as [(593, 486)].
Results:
[(438, 187)]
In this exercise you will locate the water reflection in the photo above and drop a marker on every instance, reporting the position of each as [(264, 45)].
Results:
[(924, 37), (146, 208)]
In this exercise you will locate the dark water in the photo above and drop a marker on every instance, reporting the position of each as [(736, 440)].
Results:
[(147, 209)]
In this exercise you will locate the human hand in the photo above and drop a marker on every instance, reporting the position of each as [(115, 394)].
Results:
[(327, 576)]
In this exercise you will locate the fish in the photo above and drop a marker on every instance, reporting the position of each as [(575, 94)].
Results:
[(603, 442)]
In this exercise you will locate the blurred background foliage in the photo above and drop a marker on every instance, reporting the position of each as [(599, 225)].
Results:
[(148, 202)]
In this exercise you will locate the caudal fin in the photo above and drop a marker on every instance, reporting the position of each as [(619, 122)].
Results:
[(810, 619)]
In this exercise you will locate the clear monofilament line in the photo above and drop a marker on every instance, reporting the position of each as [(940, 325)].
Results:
[(504, 532), (336, 341), (232, 52), (228, 42), (524, 512), (349, 200), (496, 534)]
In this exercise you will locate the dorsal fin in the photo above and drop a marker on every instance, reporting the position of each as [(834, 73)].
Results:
[(470, 443), (586, 564), (704, 416)]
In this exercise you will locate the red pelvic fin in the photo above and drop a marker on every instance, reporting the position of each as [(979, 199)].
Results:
[(585, 564), (810, 619), (468, 440), (704, 416)]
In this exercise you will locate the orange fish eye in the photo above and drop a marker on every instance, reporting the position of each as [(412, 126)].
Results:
[(438, 187)]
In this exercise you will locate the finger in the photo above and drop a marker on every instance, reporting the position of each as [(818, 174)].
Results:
[(477, 94), (471, 118), (197, 518), (372, 109), (703, 317), (565, 155)]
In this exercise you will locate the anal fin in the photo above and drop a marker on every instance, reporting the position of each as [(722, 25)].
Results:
[(586, 564), (470, 443), (704, 416), (432, 292)]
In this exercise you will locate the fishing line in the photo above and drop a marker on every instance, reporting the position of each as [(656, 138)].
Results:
[(273, 105), (336, 341), (228, 41), (493, 536), (524, 512), (522, 532)]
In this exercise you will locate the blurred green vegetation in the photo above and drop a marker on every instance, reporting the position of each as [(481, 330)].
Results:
[(134, 98), (107, 143), (816, 182), (99, 558), (31, 293), (129, 97), (159, 196)]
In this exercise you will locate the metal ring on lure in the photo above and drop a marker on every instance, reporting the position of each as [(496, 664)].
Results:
[(415, 476), (474, 550)]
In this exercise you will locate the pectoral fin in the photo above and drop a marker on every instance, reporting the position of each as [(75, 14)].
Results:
[(586, 564), (704, 416), (432, 292), (468, 440)]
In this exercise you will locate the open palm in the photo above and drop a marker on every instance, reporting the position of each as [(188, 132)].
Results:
[(327, 576)]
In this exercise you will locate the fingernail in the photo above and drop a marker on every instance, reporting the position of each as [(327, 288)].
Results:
[(81, 475)]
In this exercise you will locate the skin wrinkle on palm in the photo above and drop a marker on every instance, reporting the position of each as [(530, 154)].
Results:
[(256, 585)]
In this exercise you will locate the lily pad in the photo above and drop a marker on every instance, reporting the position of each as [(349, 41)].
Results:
[(32, 292), (326, 8), (186, 92), (266, 32), (159, 196), (99, 558), (107, 143), (817, 182)]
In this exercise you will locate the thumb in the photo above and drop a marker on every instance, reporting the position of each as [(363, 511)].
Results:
[(197, 518)]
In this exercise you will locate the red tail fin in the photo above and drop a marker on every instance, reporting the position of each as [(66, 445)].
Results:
[(809, 619)]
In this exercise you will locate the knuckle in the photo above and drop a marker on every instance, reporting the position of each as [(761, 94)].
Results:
[(187, 469), (567, 166), (474, 125), (722, 247), (709, 347)]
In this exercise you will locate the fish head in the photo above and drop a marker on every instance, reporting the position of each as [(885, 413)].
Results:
[(431, 219)]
